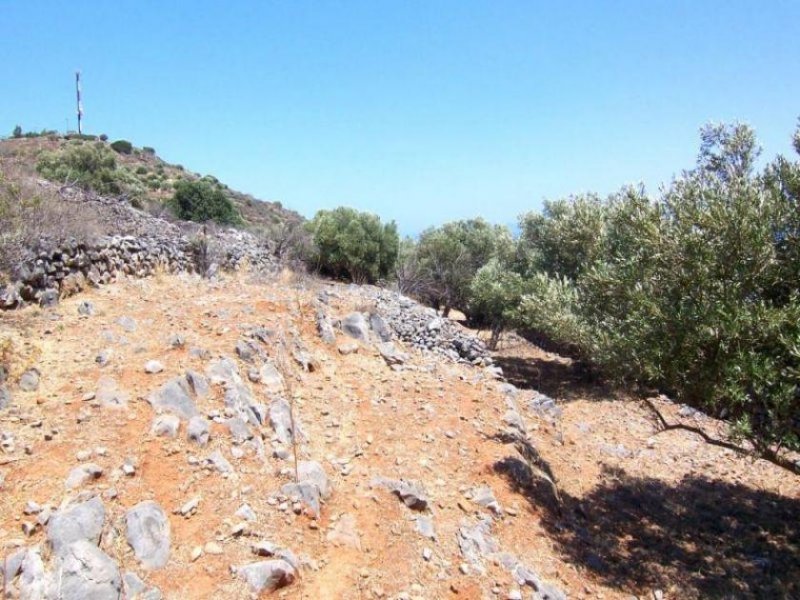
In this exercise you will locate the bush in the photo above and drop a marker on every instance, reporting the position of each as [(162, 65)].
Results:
[(448, 257), (90, 166), (122, 146), (103, 137), (149, 150), (353, 245), (201, 201), (17, 133), (695, 293)]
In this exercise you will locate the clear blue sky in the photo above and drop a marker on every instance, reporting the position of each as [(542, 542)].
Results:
[(419, 111)]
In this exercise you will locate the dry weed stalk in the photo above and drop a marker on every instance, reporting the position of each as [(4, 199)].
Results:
[(284, 366)]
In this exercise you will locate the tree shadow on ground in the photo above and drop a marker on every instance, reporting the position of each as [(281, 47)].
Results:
[(562, 379), (708, 538)]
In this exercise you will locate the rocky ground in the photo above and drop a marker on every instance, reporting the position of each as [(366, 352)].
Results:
[(147, 433)]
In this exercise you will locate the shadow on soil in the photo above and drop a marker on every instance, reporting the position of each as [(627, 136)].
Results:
[(708, 538), (562, 379)]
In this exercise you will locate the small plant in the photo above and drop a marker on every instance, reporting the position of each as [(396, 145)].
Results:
[(141, 170), (17, 133), (149, 150), (122, 147), (103, 137)]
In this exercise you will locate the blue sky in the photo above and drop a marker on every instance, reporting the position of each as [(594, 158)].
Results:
[(422, 112)]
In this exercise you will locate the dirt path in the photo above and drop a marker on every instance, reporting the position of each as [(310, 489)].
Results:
[(641, 512)]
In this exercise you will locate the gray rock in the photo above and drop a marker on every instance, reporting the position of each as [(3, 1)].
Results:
[(271, 378), (306, 492), (391, 354), (485, 497), (238, 430), (148, 533), (103, 358), (48, 298), (82, 521), (325, 328), (5, 397), (165, 426), (355, 325), (218, 462), (109, 394), (84, 572), (127, 323), (380, 327), (33, 580), (197, 431), (246, 513), (476, 542), (11, 565), (176, 340), (281, 420), (198, 385), (29, 382), (173, 397), (83, 474), (153, 366), (347, 348), (223, 371), (86, 308), (239, 398), (312, 471), (245, 350), (424, 526), (412, 494), (267, 575)]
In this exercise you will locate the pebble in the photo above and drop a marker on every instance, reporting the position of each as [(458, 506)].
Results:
[(153, 366), (212, 548)]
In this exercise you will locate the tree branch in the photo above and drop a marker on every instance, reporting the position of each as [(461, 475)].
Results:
[(765, 454)]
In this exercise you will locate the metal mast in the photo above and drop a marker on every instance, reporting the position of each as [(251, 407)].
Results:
[(80, 108)]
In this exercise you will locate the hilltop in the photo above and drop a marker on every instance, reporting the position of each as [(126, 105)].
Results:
[(147, 180)]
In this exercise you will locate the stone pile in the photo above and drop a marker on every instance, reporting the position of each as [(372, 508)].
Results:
[(423, 328)]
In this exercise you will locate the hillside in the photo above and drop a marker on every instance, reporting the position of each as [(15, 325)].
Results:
[(149, 179), (146, 437)]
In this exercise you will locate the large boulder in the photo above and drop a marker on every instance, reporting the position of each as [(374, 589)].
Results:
[(356, 326), (82, 521), (148, 533), (84, 572)]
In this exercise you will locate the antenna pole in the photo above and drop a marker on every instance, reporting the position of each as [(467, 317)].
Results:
[(78, 92)]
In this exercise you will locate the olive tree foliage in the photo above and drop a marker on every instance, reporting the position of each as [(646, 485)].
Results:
[(695, 292), (354, 245), (446, 259)]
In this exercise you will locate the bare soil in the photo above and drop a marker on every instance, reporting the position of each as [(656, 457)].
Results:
[(642, 513)]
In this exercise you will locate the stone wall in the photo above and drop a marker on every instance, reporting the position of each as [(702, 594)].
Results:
[(72, 266)]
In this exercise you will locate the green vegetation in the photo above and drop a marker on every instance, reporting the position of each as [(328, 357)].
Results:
[(91, 166), (695, 293), (122, 146), (201, 200), (352, 244)]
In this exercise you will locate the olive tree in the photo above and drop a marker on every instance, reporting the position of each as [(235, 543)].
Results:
[(354, 245)]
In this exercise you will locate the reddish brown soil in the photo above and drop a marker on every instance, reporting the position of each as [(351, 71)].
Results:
[(640, 511)]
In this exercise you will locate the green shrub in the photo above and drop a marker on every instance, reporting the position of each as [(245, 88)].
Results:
[(149, 150), (695, 293), (122, 146), (352, 244), (90, 166), (448, 257), (103, 137), (201, 201), (17, 133), (141, 170)]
